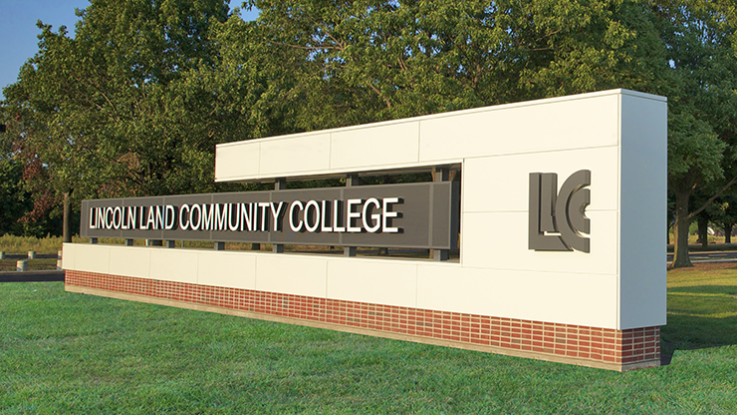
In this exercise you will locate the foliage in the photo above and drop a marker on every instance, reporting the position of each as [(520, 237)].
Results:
[(366, 61), (135, 102), (702, 107), (17, 205), (14, 201), (108, 112)]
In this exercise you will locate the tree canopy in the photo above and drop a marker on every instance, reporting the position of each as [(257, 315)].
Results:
[(134, 102)]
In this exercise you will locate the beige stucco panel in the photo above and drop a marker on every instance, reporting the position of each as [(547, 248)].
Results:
[(69, 252), (92, 258), (373, 281), (500, 240), (173, 265), (573, 123), (375, 146), (580, 299), (130, 261), (292, 274), (226, 269), (237, 160), (284, 156), (501, 184)]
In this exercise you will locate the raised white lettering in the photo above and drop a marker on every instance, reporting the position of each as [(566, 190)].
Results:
[(184, 217), (336, 217), (263, 206), (109, 217), (389, 214), (170, 217), (132, 217), (350, 215), (324, 213), (376, 216), (220, 217), (294, 227), (195, 225), (93, 218), (275, 213), (208, 217), (234, 227), (117, 217), (315, 216), (246, 216)]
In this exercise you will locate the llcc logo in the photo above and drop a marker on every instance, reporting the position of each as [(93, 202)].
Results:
[(559, 212)]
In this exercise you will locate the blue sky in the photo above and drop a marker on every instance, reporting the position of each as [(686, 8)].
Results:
[(18, 31)]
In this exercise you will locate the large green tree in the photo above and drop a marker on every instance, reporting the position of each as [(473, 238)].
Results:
[(109, 112), (366, 61), (702, 109)]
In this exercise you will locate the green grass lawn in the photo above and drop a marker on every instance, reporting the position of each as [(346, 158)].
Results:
[(72, 353)]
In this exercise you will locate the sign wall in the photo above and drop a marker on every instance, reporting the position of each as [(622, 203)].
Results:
[(562, 232)]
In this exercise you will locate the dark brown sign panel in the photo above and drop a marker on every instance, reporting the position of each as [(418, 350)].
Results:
[(412, 215)]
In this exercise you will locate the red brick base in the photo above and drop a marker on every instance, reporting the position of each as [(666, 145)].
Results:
[(588, 346)]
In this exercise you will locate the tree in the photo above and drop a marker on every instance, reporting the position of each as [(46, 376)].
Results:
[(14, 200), (702, 108), (108, 112), (366, 61)]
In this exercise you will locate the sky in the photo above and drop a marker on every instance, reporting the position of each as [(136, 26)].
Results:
[(19, 34)]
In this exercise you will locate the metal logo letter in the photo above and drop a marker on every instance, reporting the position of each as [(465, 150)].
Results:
[(557, 219)]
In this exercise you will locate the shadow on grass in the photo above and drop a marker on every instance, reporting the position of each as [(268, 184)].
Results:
[(699, 317)]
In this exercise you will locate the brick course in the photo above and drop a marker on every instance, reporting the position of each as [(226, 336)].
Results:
[(589, 346)]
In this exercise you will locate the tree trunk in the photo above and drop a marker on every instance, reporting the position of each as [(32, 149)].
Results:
[(728, 233), (67, 226), (680, 230), (703, 231)]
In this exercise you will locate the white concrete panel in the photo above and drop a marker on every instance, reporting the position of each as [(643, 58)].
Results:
[(501, 184), (92, 258), (583, 121), (643, 212), (283, 156), (227, 269), (173, 265), (236, 160), (500, 241), (373, 281), (580, 299), (373, 146), (67, 256), (130, 261), (292, 274)]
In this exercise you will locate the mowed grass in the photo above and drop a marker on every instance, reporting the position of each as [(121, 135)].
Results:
[(71, 353)]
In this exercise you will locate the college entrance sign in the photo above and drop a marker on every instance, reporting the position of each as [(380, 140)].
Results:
[(553, 213), (412, 215)]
